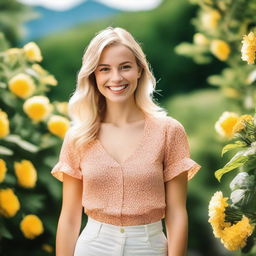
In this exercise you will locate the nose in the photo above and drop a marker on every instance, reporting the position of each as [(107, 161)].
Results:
[(116, 76)]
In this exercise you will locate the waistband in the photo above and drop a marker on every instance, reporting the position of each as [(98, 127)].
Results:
[(126, 231)]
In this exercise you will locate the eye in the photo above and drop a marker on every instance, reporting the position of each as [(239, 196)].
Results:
[(104, 69), (126, 66)]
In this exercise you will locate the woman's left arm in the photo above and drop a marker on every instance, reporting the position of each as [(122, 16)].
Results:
[(176, 219)]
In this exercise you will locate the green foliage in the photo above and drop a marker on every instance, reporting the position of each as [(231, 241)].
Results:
[(23, 138), (234, 163), (236, 145), (13, 14), (159, 31), (220, 27)]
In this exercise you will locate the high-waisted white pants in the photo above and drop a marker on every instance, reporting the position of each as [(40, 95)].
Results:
[(102, 239)]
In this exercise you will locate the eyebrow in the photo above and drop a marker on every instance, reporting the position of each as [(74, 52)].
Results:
[(119, 64)]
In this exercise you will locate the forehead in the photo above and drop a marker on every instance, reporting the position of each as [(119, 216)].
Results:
[(116, 53)]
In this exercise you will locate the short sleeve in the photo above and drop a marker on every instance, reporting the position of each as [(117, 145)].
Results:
[(177, 153), (69, 161)]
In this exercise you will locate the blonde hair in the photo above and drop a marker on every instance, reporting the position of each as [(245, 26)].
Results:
[(87, 105)]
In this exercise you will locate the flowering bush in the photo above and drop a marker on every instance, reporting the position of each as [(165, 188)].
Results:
[(233, 223), (221, 27), (31, 126)]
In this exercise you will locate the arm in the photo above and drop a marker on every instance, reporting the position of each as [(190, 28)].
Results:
[(70, 217), (176, 220)]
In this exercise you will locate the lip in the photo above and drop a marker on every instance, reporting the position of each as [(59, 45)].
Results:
[(119, 91), (116, 85)]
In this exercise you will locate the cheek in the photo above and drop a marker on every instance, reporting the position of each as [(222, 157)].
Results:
[(132, 76), (100, 79)]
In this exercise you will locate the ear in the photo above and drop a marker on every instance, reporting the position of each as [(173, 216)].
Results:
[(139, 72)]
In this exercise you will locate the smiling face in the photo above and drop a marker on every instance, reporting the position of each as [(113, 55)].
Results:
[(117, 73)]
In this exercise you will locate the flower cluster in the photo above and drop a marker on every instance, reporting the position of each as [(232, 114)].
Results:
[(249, 48), (231, 123), (233, 236), (31, 226), (26, 85)]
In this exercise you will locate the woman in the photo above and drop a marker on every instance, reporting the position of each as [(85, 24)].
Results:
[(123, 160)]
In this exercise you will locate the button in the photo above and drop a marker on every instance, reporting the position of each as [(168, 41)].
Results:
[(122, 230)]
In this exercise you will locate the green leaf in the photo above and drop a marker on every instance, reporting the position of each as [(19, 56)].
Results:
[(32, 202), (240, 160), (3, 85), (5, 232), (4, 44), (5, 151), (9, 99), (22, 143), (237, 144)]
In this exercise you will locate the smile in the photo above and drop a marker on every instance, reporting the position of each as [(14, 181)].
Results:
[(117, 89)]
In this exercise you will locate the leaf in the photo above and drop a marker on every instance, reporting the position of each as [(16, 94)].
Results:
[(5, 232), (237, 144), (5, 151), (9, 99), (22, 143), (32, 202), (3, 85), (240, 160), (48, 141), (4, 44)]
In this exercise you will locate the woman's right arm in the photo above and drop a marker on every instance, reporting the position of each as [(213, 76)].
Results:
[(69, 223)]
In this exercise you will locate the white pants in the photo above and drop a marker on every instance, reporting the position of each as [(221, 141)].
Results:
[(102, 239)]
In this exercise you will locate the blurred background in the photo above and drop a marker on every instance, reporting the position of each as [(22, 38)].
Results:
[(62, 30)]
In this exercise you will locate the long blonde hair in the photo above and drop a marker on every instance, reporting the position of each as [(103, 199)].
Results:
[(87, 105)]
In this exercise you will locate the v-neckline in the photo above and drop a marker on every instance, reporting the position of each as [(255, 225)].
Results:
[(137, 148)]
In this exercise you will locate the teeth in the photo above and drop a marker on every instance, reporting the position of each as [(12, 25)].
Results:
[(117, 88)]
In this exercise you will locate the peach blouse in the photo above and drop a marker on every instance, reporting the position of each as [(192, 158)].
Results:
[(131, 192)]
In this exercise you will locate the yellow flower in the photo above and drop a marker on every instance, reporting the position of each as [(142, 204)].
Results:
[(58, 125), (32, 52), (9, 203), (49, 79), (210, 19), (47, 248), (25, 173), (62, 107), (22, 85), (231, 92), (4, 124), (3, 170), (235, 236), (224, 126), (200, 39), (240, 125), (216, 212), (249, 48), (39, 69), (37, 108), (220, 49), (232, 236), (31, 226)]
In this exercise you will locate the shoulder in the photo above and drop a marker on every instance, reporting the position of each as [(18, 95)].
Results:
[(171, 124), (69, 140)]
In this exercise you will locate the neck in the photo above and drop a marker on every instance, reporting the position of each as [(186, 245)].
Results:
[(122, 113)]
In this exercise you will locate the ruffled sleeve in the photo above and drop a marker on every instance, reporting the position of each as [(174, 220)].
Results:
[(69, 161), (177, 153)]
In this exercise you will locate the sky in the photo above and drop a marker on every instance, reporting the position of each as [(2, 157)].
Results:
[(126, 5)]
